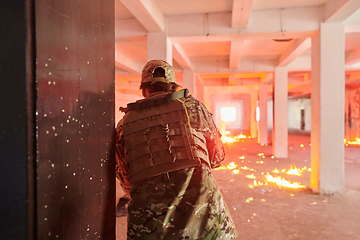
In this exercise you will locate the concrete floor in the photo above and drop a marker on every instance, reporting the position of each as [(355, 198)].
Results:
[(273, 212)]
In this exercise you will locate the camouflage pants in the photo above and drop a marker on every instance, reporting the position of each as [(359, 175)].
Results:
[(184, 204)]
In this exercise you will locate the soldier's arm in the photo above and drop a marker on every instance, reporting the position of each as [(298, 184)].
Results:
[(122, 171), (201, 119)]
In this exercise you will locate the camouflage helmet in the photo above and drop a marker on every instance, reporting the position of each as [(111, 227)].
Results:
[(163, 72)]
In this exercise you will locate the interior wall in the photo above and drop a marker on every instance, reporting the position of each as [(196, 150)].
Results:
[(212, 93), (352, 112), (294, 113)]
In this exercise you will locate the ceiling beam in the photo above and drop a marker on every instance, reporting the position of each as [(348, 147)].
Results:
[(267, 77), (181, 57), (296, 49), (241, 11), (125, 63), (354, 76), (231, 78), (235, 53), (148, 13), (339, 10), (353, 57), (125, 28), (264, 24), (353, 28)]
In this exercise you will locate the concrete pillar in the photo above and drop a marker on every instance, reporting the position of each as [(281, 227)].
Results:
[(280, 124), (327, 109), (253, 122), (189, 81), (159, 47), (200, 92), (263, 130)]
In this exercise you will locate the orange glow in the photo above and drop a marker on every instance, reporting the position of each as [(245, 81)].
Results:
[(231, 165), (294, 171), (354, 142), (251, 176), (249, 199), (227, 139), (228, 114), (281, 182), (246, 168)]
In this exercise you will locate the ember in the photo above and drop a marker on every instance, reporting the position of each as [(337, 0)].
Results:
[(251, 176)]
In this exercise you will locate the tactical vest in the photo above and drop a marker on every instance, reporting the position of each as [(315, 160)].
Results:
[(158, 137)]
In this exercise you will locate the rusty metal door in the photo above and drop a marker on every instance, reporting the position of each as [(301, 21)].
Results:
[(75, 119)]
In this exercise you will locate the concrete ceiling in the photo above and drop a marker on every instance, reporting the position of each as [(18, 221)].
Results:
[(217, 38)]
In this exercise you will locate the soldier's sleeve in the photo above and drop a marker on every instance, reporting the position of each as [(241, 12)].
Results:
[(122, 171), (201, 119)]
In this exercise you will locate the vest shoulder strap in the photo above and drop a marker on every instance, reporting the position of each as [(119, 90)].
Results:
[(158, 101)]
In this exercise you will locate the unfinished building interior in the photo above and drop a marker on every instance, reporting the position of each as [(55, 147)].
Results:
[(282, 79)]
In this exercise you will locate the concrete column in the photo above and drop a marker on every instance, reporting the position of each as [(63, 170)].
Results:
[(327, 109), (159, 47), (189, 81), (280, 124), (253, 122), (263, 130), (200, 92)]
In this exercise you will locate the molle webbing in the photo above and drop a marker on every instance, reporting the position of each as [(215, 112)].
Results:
[(158, 101), (159, 139)]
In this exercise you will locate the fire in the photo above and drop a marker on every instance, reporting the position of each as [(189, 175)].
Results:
[(249, 169), (281, 182), (231, 165), (355, 142), (294, 171), (227, 139), (251, 176)]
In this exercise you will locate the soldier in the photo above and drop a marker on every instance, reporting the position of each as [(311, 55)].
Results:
[(166, 145)]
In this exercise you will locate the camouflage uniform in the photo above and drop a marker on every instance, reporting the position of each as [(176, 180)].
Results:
[(181, 204)]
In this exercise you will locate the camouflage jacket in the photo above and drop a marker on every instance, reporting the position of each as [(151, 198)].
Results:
[(182, 204)]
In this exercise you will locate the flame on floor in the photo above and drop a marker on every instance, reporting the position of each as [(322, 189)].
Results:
[(278, 180), (354, 142), (281, 182), (227, 139)]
